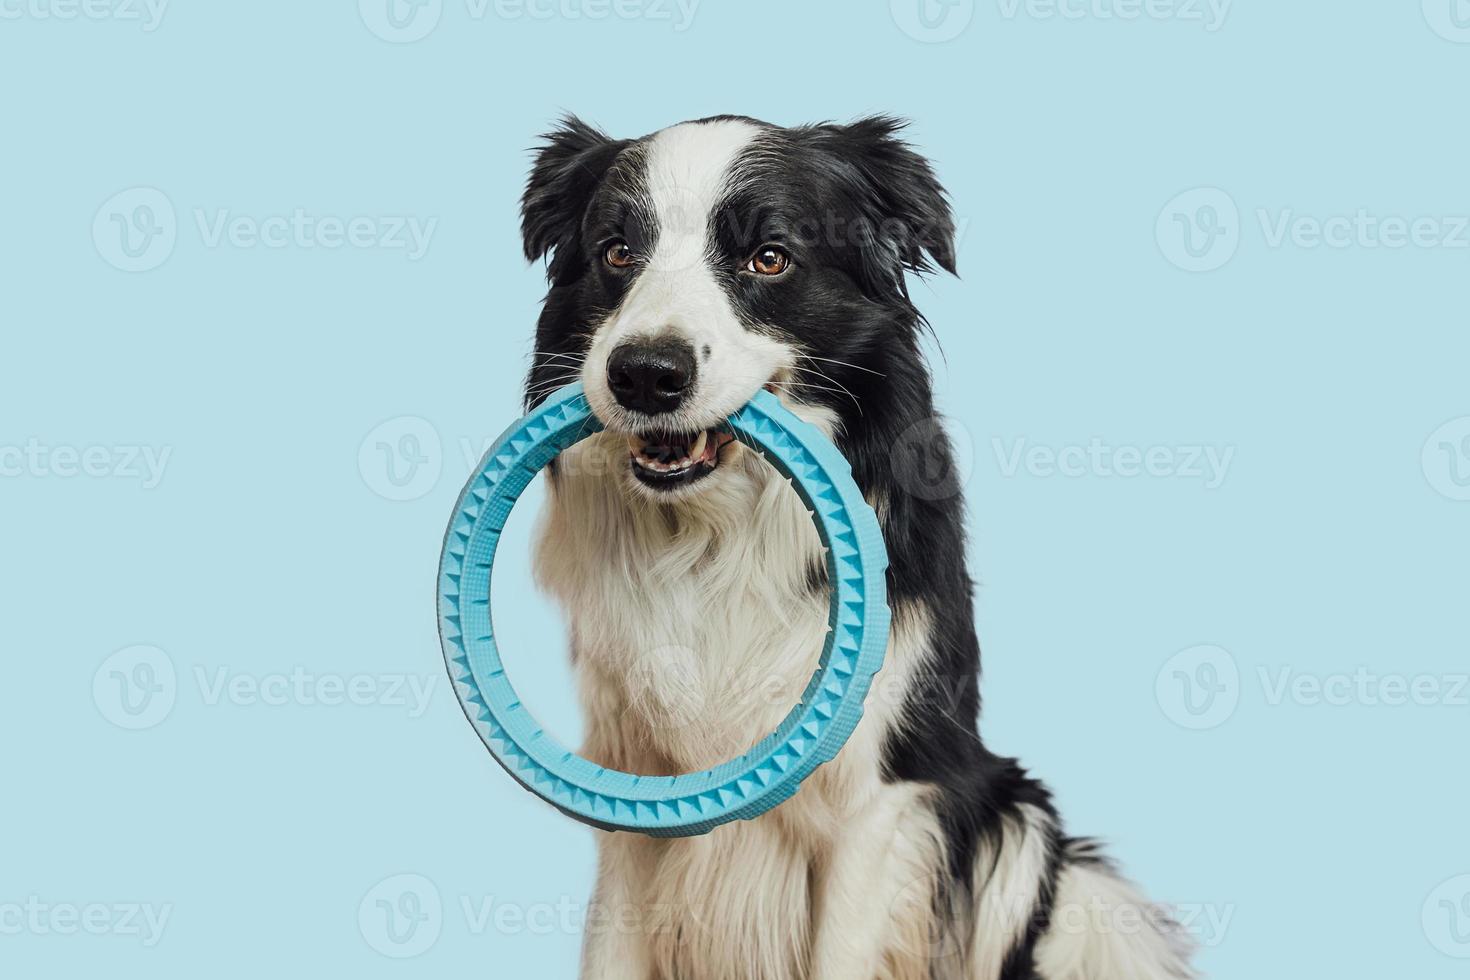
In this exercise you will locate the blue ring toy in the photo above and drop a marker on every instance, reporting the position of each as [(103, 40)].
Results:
[(684, 805)]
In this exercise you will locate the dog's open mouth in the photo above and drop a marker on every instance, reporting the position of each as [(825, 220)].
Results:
[(666, 461)]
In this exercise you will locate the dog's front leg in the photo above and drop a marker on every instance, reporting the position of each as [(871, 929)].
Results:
[(617, 944), (874, 888)]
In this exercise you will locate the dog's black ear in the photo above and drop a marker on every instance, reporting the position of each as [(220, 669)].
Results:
[(900, 197), (570, 162)]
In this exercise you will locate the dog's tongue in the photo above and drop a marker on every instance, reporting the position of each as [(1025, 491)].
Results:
[(672, 448)]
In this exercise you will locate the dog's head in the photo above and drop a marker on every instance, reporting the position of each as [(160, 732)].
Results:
[(693, 267)]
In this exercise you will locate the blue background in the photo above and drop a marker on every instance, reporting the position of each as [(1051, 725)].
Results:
[(1326, 835)]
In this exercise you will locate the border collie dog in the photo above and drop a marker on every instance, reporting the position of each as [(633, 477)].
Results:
[(688, 270)]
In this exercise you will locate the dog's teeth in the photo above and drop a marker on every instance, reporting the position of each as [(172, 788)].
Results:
[(652, 454)]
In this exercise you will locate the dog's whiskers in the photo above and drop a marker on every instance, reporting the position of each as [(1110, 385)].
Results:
[(545, 387), (547, 384), (574, 358), (839, 389), (833, 360)]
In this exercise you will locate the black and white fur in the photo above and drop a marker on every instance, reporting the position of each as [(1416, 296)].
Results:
[(697, 608)]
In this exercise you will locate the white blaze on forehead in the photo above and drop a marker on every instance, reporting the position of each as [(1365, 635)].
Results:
[(689, 169)]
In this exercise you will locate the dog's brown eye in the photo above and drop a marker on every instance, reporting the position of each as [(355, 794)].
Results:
[(769, 261), (619, 255)]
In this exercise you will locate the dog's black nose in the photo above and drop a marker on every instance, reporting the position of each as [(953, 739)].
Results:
[(651, 376)]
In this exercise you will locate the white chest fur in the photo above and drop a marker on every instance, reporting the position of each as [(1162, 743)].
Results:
[(693, 626), (695, 631)]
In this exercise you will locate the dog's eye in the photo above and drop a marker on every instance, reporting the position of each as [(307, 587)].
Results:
[(618, 254), (768, 260)]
